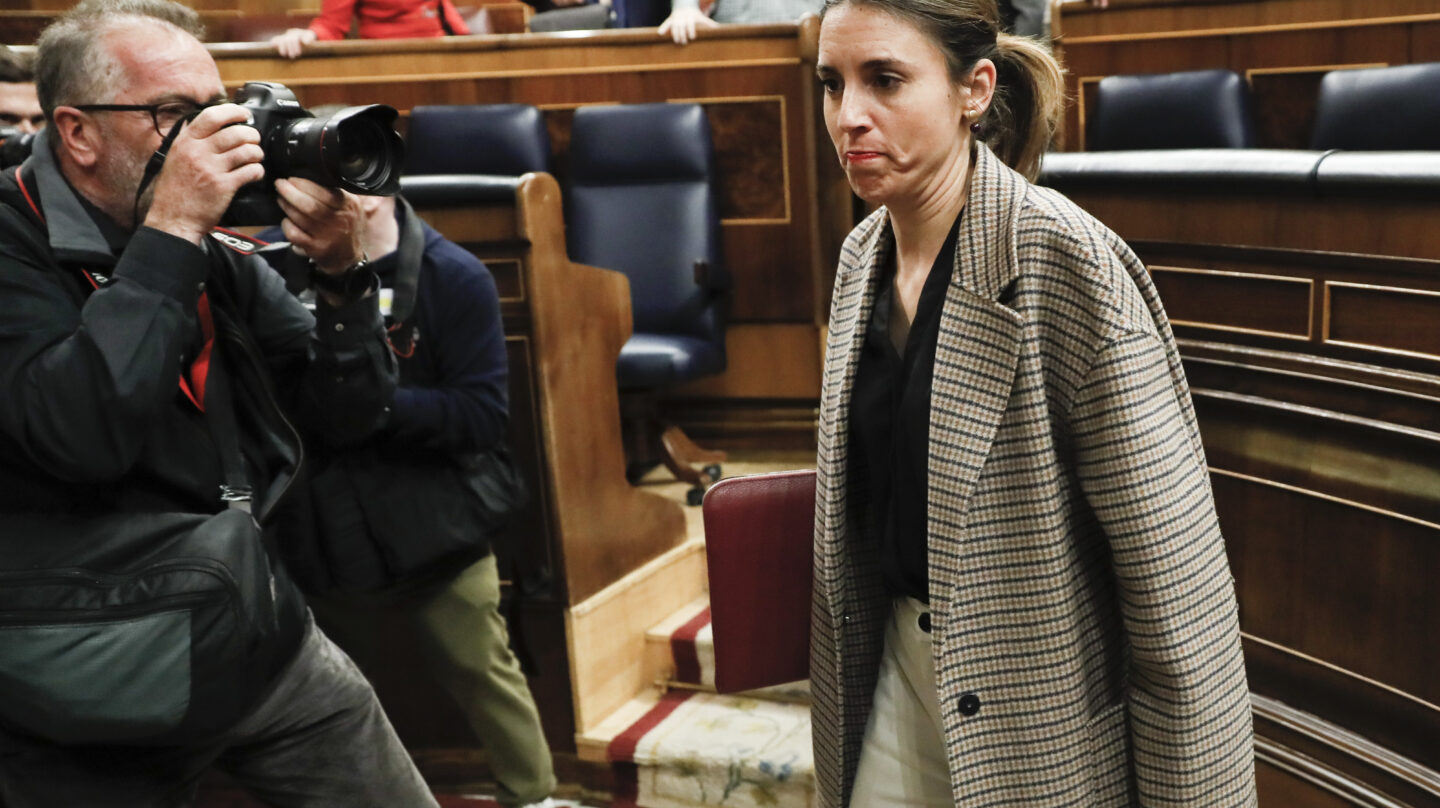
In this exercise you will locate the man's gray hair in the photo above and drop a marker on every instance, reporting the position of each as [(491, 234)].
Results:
[(71, 67)]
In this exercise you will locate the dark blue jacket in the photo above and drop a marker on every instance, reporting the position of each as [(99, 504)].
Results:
[(401, 507), (452, 395)]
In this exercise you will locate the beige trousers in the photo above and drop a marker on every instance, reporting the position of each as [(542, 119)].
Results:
[(902, 761)]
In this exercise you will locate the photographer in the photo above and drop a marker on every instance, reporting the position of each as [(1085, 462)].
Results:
[(150, 375), (401, 532)]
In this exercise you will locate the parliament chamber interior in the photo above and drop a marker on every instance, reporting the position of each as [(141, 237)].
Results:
[(1274, 163)]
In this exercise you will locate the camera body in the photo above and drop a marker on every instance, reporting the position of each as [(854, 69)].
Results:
[(15, 146), (355, 149)]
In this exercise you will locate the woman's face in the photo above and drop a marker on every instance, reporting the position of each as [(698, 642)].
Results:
[(891, 108)]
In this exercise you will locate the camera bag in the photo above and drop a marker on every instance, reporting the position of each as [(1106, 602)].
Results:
[(390, 517)]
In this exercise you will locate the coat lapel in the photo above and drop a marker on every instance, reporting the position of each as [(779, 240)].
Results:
[(855, 292), (975, 361)]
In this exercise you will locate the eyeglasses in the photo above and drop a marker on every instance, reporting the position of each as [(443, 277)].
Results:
[(164, 116), (14, 119)]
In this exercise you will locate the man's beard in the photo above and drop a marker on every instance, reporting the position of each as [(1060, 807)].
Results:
[(122, 174)]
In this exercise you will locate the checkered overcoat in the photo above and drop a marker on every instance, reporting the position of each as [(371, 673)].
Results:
[(1078, 579)]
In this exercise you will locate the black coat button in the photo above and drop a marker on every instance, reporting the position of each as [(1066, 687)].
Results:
[(969, 704), (925, 622)]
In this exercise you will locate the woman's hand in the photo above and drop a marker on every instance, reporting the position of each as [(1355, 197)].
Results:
[(292, 42)]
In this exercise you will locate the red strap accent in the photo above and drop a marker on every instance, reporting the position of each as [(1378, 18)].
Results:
[(409, 349), (194, 387), (26, 192)]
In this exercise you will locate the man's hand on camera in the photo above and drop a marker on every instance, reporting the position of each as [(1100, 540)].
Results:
[(324, 224), (208, 162)]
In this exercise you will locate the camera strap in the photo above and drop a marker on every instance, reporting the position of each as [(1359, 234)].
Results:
[(153, 166), (406, 281)]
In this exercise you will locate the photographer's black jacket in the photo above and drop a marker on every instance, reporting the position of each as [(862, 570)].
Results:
[(95, 327)]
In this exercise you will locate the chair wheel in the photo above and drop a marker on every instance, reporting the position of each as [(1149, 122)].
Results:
[(713, 471), (695, 496)]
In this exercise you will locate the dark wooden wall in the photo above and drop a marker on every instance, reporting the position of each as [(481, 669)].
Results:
[(785, 207), (1282, 47), (1310, 330)]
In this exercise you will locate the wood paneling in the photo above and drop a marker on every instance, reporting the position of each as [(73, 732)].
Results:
[(1309, 342), (1083, 20), (1236, 301), (1383, 318)]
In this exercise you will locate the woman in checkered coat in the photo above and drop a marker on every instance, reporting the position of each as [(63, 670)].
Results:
[(1021, 591)]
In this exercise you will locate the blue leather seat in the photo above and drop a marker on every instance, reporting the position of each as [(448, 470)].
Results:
[(504, 139), (642, 201), (1379, 109), (1196, 109)]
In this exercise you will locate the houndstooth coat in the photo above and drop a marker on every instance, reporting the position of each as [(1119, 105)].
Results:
[(1078, 581)]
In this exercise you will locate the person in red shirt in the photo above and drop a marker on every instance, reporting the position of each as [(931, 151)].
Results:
[(378, 19), (385, 19)]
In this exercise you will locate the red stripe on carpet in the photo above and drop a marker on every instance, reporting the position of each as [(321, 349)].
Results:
[(621, 751), (682, 648)]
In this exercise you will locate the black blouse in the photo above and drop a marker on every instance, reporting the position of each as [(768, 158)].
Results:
[(890, 432)]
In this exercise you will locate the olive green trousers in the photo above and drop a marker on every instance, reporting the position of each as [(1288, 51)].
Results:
[(466, 648)]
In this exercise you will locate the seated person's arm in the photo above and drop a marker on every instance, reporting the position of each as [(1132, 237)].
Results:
[(333, 23), (685, 18)]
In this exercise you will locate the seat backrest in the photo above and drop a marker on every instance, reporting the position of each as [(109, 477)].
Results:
[(1198, 109), (1379, 109), (642, 201), (588, 17), (506, 139)]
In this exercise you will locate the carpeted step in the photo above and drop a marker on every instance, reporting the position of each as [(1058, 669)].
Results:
[(687, 645), (692, 749)]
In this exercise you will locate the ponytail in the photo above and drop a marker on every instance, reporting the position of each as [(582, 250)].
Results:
[(1029, 97)]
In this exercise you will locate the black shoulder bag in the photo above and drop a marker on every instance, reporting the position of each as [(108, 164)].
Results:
[(139, 628), (389, 518)]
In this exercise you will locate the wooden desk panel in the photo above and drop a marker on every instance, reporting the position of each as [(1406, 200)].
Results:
[(1307, 330)]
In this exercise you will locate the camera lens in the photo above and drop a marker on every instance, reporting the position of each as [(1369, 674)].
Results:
[(363, 151), (355, 149)]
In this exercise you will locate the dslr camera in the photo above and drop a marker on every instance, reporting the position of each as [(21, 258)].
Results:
[(14, 146), (355, 149)]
